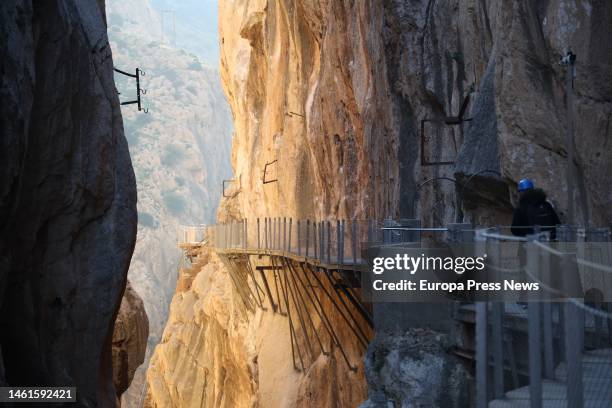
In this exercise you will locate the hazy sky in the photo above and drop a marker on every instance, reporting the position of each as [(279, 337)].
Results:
[(196, 26)]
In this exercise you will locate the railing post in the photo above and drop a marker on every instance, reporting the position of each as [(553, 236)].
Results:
[(497, 313), (481, 343), (547, 322), (354, 241), (278, 237), (574, 332), (315, 238), (299, 241), (328, 242), (534, 329), (482, 354), (338, 242), (289, 240), (246, 236), (307, 235), (269, 244), (284, 233), (258, 235), (342, 227), (321, 240)]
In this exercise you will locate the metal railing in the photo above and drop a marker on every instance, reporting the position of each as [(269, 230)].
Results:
[(337, 242), (192, 234), (564, 339), (555, 374)]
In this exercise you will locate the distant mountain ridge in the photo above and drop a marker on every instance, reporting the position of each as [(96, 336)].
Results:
[(180, 151)]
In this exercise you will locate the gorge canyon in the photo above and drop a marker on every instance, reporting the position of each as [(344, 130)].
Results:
[(329, 97), (341, 109)]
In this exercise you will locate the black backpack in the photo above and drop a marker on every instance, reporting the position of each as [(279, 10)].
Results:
[(541, 214)]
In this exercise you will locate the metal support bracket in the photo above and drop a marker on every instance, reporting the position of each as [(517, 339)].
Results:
[(450, 121), (139, 90), (265, 173)]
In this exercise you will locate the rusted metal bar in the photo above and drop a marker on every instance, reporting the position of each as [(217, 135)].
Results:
[(291, 328), (279, 268), (314, 299), (239, 288), (266, 267), (363, 337), (257, 287), (280, 310), (243, 280), (355, 302), (331, 298), (306, 311), (301, 318), (264, 179), (268, 291)]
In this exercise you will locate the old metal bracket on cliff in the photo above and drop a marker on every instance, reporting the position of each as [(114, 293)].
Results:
[(264, 179), (225, 182), (292, 114), (450, 121), (139, 90)]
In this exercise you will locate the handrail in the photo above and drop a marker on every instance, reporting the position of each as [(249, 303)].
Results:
[(502, 237), (440, 229)]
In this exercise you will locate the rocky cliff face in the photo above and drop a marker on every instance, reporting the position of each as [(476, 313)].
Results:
[(336, 92), (129, 339), (67, 198), (205, 353), (334, 96)]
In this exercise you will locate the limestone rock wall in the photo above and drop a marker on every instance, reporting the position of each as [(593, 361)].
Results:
[(67, 198), (214, 353), (129, 339), (336, 92), (206, 356), (332, 96)]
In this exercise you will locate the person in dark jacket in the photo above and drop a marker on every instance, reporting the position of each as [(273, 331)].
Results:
[(533, 209)]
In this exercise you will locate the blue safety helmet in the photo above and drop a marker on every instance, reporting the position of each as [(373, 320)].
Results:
[(525, 184)]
